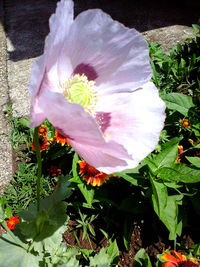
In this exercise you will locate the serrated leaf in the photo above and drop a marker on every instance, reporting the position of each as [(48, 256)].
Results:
[(180, 173), (101, 259), (64, 257), (73, 262), (45, 223), (178, 102), (50, 243), (141, 259), (12, 255)]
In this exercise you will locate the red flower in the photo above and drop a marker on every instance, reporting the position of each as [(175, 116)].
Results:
[(92, 175), (176, 259), (180, 151), (43, 130), (11, 222), (43, 142), (59, 138), (54, 170), (185, 123)]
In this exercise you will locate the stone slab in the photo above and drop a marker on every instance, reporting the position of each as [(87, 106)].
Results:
[(5, 129), (168, 37)]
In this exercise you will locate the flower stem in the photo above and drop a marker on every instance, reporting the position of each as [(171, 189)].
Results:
[(39, 161)]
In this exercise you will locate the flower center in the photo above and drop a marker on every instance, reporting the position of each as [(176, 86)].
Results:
[(80, 90)]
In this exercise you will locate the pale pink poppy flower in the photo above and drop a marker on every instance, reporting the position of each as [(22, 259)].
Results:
[(92, 84)]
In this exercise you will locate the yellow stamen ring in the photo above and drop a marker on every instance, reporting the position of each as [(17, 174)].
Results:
[(80, 90)]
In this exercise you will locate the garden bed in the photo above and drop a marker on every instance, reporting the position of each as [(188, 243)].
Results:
[(154, 207)]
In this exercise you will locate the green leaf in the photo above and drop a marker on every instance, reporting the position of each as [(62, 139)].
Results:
[(155, 74), (178, 102), (58, 154), (113, 251), (91, 230), (24, 122), (166, 207), (180, 173), (194, 160), (141, 259), (73, 262), (8, 212), (13, 255), (101, 259), (87, 192), (2, 216), (63, 257), (42, 225), (75, 164), (134, 179), (63, 190), (133, 176), (196, 27), (166, 157), (52, 242)]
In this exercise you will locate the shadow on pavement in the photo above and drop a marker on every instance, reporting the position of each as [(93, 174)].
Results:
[(26, 21)]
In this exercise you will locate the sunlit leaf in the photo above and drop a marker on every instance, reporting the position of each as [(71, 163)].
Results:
[(13, 255), (195, 161), (166, 157), (179, 173), (178, 102), (165, 206)]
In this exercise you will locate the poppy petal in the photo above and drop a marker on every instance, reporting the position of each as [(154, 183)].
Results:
[(118, 55), (134, 120)]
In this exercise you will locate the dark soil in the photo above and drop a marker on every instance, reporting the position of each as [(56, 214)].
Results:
[(154, 246)]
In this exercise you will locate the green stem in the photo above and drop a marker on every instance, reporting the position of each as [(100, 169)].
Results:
[(90, 242), (39, 161)]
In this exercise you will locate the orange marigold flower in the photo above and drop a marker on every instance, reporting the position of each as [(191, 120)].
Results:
[(54, 170), (180, 149), (185, 123), (11, 222), (59, 138), (43, 130), (44, 144), (178, 159), (91, 175), (176, 259)]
